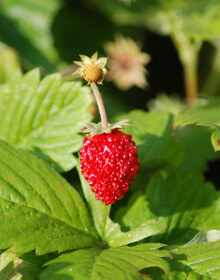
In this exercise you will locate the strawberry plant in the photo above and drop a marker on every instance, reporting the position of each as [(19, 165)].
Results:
[(104, 173)]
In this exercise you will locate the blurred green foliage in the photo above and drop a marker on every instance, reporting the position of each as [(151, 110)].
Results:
[(170, 201)]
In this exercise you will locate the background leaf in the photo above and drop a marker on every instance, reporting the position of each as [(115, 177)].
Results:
[(41, 116), (26, 26), (39, 209), (197, 19), (196, 156), (151, 133), (120, 263), (180, 221), (9, 63), (198, 261), (206, 115)]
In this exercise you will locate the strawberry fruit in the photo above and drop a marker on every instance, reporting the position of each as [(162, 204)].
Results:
[(109, 162), (109, 159)]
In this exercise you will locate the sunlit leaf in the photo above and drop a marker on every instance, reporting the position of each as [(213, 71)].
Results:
[(42, 116), (39, 209), (119, 263), (9, 63), (198, 261)]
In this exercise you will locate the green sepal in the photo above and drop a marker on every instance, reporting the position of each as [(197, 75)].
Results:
[(94, 128)]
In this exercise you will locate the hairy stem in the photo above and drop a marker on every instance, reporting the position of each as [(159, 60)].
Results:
[(100, 105)]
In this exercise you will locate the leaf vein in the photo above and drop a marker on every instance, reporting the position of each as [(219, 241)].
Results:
[(43, 179)]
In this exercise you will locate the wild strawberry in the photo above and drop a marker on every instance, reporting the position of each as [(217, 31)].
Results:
[(109, 159), (109, 162)]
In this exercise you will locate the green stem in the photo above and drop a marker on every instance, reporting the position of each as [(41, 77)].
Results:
[(188, 53), (100, 105), (190, 68)]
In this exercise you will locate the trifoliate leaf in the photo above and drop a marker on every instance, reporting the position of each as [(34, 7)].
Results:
[(114, 263), (39, 210), (40, 116)]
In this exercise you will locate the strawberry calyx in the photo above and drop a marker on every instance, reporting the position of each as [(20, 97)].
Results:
[(97, 128)]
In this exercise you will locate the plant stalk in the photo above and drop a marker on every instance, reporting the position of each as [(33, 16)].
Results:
[(191, 83), (188, 53), (100, 105)]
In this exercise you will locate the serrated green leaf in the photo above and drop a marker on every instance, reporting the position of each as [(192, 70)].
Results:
[(198, 261), (32, 38), (39, 209), (12, 267), (114, 263), (114, 237), (41, 116), (169, 201), (151, 133), (204, 115)]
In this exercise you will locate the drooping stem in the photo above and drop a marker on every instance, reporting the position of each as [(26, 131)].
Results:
[(100, 105)]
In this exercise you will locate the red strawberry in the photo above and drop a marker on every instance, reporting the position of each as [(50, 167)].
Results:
[(109, 162)]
